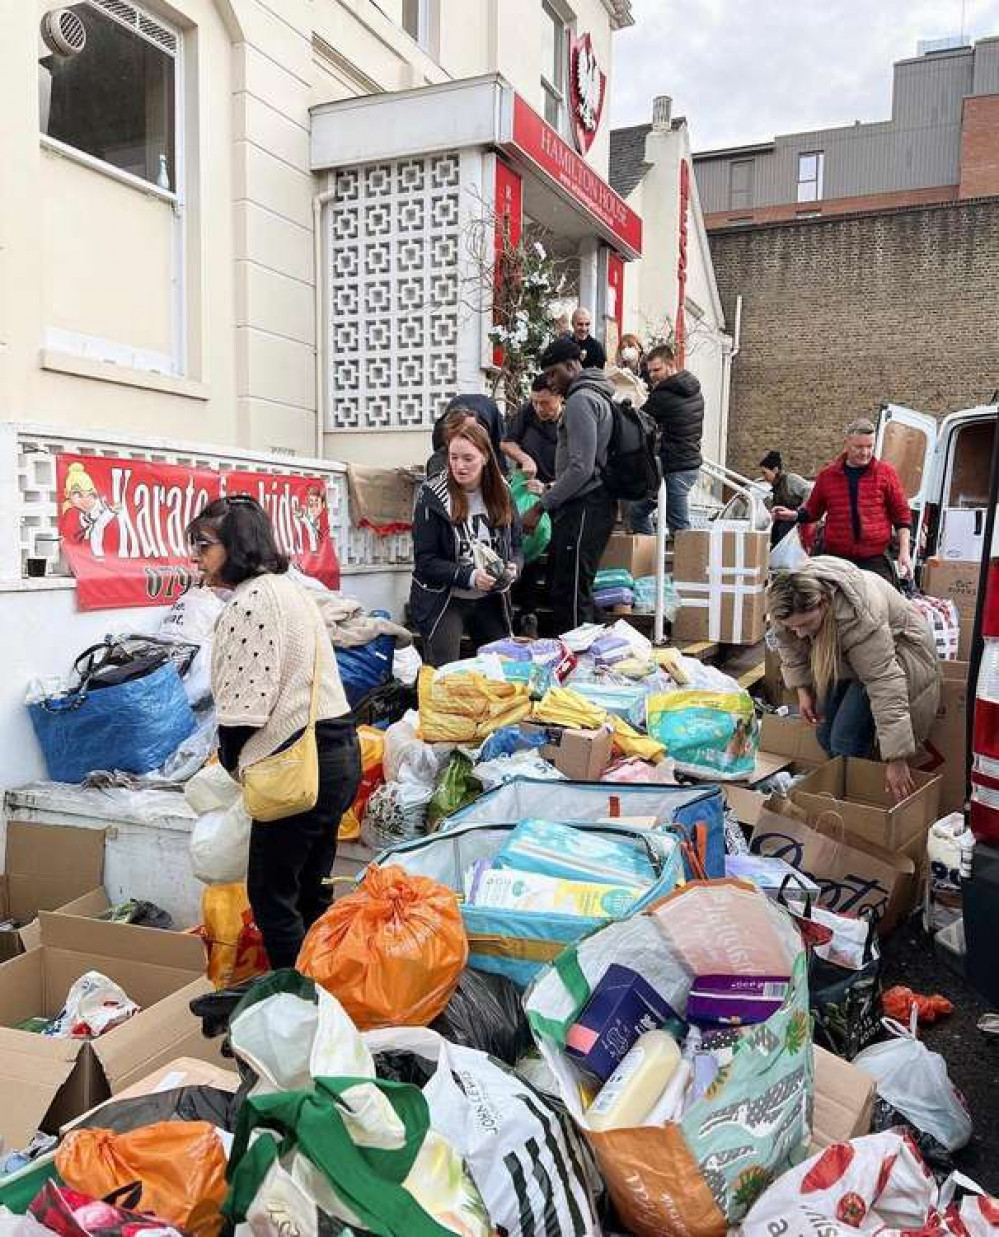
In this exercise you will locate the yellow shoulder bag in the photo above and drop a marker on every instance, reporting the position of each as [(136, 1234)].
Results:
[(287, 782)]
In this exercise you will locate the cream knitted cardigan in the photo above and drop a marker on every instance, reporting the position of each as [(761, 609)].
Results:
[(262, 664)]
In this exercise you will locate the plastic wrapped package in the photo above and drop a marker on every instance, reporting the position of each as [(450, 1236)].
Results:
[(492, 773), (180, 1167), (396, 812), (406, 755), (457, 786), (467, 707), (645, 597), (485, 1012), (391, 952), (613, 577), (132, 726), (709, 734), (406, 665), (608, 598)]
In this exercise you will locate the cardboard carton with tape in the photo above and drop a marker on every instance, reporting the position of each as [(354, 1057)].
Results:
[(721, 575)]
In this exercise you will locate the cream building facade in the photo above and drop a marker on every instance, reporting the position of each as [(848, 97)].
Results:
[(162, 222)]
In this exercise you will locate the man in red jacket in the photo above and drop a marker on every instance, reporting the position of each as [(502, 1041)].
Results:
[(864, 504)]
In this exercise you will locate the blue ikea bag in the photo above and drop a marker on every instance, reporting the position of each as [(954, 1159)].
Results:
[(364, 668), (519, 944), (132, 726)]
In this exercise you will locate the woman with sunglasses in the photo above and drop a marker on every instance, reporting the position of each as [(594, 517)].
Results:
[(269, 643)]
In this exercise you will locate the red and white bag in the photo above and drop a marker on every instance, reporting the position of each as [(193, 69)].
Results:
[(873, 1185)]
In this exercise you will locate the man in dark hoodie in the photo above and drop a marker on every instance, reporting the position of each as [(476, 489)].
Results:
[(581, 509), (677, 405), (486, 412)]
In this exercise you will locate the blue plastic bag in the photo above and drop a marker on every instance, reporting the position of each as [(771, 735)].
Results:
[(132, 727), (365, 668)]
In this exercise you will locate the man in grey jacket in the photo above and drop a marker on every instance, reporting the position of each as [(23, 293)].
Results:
[(582, 511)]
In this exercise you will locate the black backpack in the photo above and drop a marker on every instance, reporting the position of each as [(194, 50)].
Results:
[(633, 470)]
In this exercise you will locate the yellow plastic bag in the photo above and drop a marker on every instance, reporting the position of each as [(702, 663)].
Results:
[(467, 707), (392, 952), (180, 1165), (232, 940), (372, 775)]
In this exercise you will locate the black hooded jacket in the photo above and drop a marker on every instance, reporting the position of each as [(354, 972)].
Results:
[(677, 405), (487, 414), (436, 569)]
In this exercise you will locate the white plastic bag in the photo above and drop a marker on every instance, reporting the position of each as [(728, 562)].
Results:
[(788, 554), (220, 845), (406, 665), (505, 1133), (193, 616), (915, 1082), (406, 755), (220, 839), (94, 1005), (872, 1185), (493, 773)]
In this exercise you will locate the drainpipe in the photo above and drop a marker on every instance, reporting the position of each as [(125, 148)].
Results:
[(727, 379), (318, 202)]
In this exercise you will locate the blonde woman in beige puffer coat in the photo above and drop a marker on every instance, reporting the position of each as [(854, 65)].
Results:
[(863, 661)]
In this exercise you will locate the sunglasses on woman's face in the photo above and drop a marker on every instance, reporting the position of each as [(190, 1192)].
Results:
[(201, 545)]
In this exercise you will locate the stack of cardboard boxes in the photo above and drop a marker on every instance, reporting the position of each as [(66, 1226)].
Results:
[(721, 575)]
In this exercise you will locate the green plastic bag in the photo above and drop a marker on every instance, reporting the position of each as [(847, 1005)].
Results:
[(455, 788), (534, 544)]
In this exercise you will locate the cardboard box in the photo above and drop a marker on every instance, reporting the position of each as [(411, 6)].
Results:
[(774, 687), (181, 1072), (855, 876), (786, 743), (945, 750), (957, 581), (45, 1082), (45, 866), (844, 1101), (855, 791), (635, 552), (582, 755), (720, 574)]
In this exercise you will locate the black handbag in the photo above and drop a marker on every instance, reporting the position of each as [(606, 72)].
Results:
[(117, 661)]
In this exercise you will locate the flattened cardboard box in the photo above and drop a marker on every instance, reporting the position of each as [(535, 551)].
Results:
[(635, 552), (855, 790), (44, 867), (45, 1082), (946, 749), (720, 574), (582, 755), (844, 1101)]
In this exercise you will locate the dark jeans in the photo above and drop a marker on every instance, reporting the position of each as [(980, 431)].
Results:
[(880, 565), (580, 532), (678, 487), (290, 859), (847, 726), (484, 619)]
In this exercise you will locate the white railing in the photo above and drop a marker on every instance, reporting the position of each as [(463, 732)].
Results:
[(29, 502)]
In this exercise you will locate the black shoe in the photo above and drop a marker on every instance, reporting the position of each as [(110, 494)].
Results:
[(529, 626)]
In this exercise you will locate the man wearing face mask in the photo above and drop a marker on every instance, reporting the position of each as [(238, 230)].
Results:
[(864, 504)]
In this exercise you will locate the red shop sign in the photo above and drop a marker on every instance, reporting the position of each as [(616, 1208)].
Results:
[(539, 143), (122, 525)]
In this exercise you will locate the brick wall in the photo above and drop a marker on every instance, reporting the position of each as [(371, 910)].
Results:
[(980, 146), (841, 315)]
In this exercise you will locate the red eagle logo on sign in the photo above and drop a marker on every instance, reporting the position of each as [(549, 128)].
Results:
[(587, 87)]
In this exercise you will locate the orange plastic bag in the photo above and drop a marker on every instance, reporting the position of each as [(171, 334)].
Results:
[(392, 952), (180, 1165), (372, 775), (232, 940)]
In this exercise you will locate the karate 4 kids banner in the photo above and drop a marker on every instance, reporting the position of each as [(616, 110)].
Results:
[(122, 525)]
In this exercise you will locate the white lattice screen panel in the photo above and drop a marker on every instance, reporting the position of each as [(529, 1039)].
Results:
[(38, 501), (393, 233)]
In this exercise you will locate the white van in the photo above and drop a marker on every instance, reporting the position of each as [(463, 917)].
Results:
[(944, 468)]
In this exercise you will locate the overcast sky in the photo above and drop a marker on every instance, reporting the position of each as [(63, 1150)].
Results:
[(746, 70)]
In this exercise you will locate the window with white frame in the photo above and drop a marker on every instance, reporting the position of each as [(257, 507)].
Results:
[(810, 176), (554, 67), (108, 86), (416, 21)]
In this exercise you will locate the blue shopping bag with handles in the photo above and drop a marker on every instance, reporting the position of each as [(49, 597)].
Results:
[(131, 726)]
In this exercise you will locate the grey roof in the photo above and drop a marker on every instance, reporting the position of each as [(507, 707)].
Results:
[(627, 158)]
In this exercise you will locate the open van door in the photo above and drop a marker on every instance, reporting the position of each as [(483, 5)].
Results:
[(907, 439)]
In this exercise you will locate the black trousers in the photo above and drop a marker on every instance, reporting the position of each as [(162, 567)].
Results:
[(484, 619), (290, 859), (880, 565), (580, 532)]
